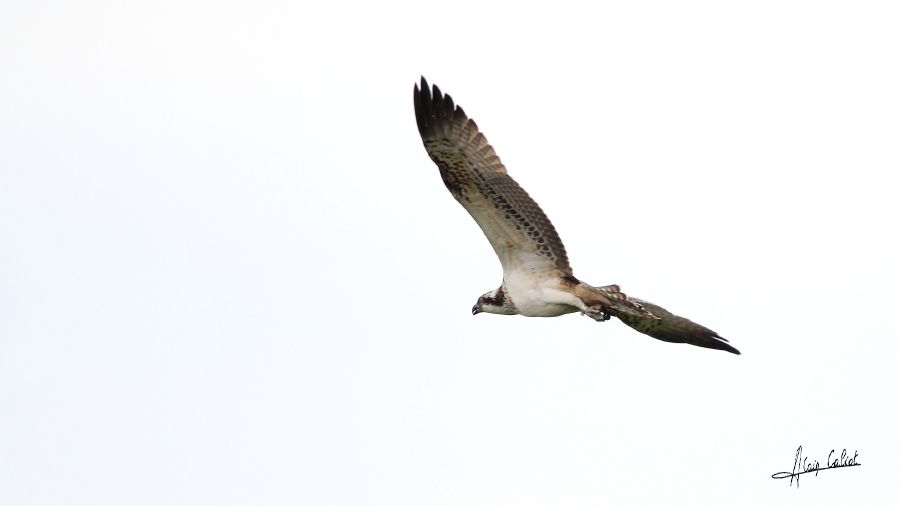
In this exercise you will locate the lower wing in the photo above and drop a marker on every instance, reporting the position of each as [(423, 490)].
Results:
[(672, 328)]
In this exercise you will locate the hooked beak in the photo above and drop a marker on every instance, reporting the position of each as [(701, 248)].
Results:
[(476, 309)]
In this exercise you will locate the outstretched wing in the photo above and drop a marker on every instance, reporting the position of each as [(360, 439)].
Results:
[(672, 328), (516, 227)]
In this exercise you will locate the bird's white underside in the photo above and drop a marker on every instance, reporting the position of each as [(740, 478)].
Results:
[(540, 293)]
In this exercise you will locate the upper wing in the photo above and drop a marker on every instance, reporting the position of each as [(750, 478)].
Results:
[(519, 231), (672, 328)]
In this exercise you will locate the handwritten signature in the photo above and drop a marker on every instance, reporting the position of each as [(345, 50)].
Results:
[(803, 465)]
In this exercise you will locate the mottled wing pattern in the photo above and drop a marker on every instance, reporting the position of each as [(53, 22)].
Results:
[(672, 328), (515, 225)]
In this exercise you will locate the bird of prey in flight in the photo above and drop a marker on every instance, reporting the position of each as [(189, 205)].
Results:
[(537, 278)]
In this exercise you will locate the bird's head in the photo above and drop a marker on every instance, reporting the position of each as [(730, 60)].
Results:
[(496, 302)]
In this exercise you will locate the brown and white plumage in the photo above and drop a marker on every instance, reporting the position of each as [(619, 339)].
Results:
[(516, 227), (537, 278)]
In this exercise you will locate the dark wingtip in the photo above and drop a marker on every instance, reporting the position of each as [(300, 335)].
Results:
[(730, 349), (422, 103), (717, 342), (434, 108)]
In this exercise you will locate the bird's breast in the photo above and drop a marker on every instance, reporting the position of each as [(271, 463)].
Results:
[(539, 294)]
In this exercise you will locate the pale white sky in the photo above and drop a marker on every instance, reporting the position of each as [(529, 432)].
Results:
[(230, 274)]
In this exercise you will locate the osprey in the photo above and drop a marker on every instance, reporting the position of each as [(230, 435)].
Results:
[(537, 278)]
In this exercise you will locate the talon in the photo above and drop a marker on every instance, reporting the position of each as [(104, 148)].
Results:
[(596, 313)]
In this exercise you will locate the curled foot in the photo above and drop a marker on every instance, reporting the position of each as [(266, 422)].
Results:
[(597, 313)]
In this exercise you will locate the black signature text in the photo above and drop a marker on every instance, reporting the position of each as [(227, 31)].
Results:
[(803, 465)]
